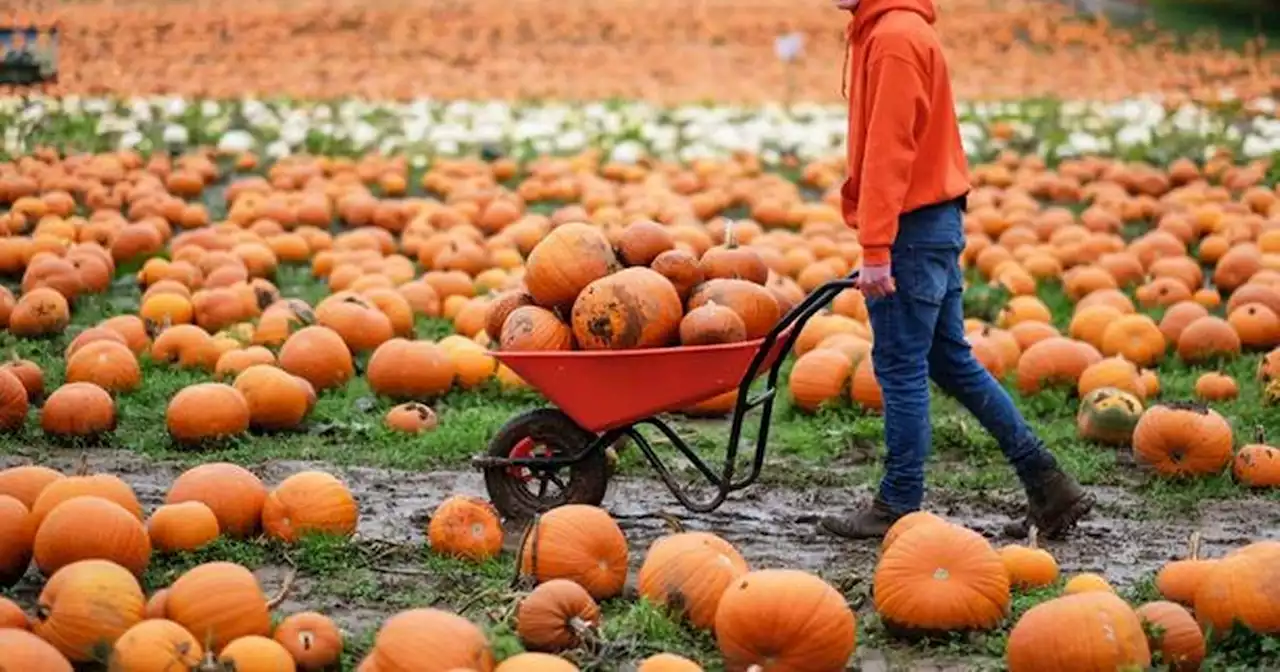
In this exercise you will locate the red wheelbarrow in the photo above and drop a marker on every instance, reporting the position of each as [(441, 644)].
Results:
[(548, 457)]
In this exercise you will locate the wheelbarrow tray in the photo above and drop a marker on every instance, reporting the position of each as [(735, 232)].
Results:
[(607, 389)]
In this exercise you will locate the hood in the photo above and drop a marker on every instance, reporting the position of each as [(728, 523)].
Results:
[(869, 12)]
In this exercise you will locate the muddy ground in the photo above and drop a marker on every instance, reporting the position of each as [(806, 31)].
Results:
[(772, 527)]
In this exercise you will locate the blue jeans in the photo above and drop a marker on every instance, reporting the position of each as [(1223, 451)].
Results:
[(919, 334)]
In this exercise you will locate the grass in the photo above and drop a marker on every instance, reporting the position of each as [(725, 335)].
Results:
[(359, 582), (1232, 22)]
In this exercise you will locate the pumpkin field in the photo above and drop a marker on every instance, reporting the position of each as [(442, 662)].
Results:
[(259, 263)]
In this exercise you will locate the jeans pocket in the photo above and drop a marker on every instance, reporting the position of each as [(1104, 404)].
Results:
[(923, 273)]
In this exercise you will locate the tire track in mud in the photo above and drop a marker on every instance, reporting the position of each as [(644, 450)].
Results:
[(771, 526)]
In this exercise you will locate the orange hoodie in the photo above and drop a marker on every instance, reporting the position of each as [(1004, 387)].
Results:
[(904, 142)]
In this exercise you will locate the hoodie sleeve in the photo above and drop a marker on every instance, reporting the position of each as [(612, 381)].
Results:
[(899, 100)]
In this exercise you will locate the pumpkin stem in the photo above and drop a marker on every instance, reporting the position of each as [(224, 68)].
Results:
[(1033, 537), (530, 536), (284, 588), (1259, 434), (82, 467), (1193, 552), (729, 241), (672, 522)]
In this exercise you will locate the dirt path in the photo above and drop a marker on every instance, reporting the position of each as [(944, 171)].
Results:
[(772, 527)]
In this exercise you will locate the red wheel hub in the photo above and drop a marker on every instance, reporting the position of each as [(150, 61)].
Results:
[(526, 448)]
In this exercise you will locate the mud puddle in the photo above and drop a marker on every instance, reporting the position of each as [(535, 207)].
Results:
[(773, 527)]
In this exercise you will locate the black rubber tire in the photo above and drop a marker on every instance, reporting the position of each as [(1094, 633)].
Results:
[(588, 479)]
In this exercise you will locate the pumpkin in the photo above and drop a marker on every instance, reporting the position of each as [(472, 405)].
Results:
[(21, 650), (1180, 579), (156, 645), (107, 364), (501, 307), (11, 615), (78, 410), (577, 542), (641, 241), (1090, 631), (309, 502), (356, 320), (318, 355), (1113, 372), (255, 653), (734, 262), (753, 303), (1240, 588), (937, 578), (235, 362), (1173, 632), (556, 616), (1108, 415), (1257, 465), (29, 374), (533, 329), (13, 402), (1029, 566), (1135, 337), (404, 370), (1183, 439), (908, 522), (454, 643), (232, 492), (26, 482), (218, 602), (1269, 366), (535, 662), (86, 606), (189, 346), (668, 662), (185, 526), (818, 376), (682, 269), (1178, 316), (864, 389), (17, 535), (411, 417), (277, 400), (206, 412), (633, 308), (1087, 583), (1053, 361), (88, 527), (465, 527), (106, 486), (711, 324), (1208, 338), (1088, 324), (688, 572), (39, 312), (1214, 386), (784, 619), (312, 640), (1257, 325)]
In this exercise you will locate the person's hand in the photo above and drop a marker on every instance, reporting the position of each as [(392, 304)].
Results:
[(847, 5), (876, 282)]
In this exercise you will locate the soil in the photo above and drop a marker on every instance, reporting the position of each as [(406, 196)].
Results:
[(772, 527)]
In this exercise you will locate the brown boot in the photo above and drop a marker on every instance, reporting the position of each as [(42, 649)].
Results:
[(869, 523), (1055, 503)]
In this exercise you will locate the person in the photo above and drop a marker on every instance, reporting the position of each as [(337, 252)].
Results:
[(905, 194)]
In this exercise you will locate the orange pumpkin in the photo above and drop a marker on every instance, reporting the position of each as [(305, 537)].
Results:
[(26, 482), (818, 377), (689, 571), (13, 402), (1173, 632), (309, 502), (87, 527), (465, 527), (218, 602), (681, 269), (78, 409), (1239, 589), (556, 616), (187, 345), (312, 640), (1137, 338), (206, 411), (454, 643), (411, 417), (633, 308), (1215, 386), (21, 650), (86, 606), (1087, 583), (16, 538), (232, 492), (937, 578), (318, 355), (1207, 338), (1257, 326), (277, 400), (1054, 361), (1114, 372), (569, 259), (785, 619), (908, 522), (233, 363), (641, 241), (29, 374), (11, 616), (1029, 566), (185, 526), (1183, 439), (356, 320), (106, 486), (577, 542), (1178, 316), (1090, 631), (668, 662), (535, 662), (753, 303), (1180, 579), (255, 653), (156, 645), (711, 324), (39, 312)]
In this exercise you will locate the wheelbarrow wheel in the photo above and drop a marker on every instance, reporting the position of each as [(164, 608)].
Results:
[(522, 492)]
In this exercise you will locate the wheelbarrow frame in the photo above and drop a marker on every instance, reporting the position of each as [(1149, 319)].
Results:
[(787, 330)]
